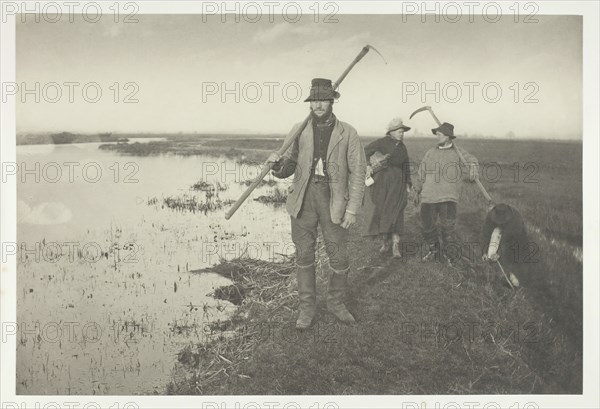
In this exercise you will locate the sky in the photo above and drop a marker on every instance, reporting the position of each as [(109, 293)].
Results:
[(179, 69)]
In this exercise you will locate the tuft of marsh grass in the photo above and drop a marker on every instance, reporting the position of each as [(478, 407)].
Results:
[(190, 203), (276, 196), (204, 186)]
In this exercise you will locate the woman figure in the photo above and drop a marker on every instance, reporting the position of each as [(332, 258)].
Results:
[(386, 198)]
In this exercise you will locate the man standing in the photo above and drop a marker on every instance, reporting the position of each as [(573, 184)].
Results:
[(328, 163), (438, 184)]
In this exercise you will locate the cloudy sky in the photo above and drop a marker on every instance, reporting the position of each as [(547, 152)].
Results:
[(182, 67)]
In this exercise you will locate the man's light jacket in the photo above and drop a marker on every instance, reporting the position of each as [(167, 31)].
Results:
[(346, 168)]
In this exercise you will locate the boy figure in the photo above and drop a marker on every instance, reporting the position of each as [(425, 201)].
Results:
[(438, 185), (329, 166)]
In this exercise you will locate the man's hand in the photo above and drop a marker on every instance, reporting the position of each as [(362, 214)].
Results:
[(274, 162), (491, 259), (349, 220), (274, 157)]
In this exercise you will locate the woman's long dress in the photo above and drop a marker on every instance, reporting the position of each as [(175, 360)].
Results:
[(386, 199)]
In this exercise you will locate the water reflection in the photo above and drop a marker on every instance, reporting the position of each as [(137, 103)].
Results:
[(105, 294)]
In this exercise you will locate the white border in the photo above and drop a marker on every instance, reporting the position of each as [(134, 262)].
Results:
[(590, 399)]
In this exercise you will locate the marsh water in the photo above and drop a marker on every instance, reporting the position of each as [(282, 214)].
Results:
[(106, 289)]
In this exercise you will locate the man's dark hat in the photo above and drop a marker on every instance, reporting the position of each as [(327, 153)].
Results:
[(445, 128), (322, 90), (501, 214)]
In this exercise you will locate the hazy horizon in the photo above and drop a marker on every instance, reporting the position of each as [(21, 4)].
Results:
[(175, 59), (407, 136)]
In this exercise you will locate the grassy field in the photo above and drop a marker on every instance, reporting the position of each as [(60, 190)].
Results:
[(423, 328)]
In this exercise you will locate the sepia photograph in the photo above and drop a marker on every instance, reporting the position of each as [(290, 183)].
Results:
[(299, 204)]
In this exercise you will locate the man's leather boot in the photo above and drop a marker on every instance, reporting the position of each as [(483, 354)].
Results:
[(335, 296), (307, 294), (386, 245)]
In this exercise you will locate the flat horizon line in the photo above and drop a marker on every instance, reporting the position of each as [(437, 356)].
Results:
[(282, 135)]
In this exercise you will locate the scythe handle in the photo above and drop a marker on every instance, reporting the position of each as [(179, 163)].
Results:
[(359, 57), (477, 181), (435, 118)]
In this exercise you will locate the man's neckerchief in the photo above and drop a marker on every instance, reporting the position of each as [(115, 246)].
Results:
[(322, 129)]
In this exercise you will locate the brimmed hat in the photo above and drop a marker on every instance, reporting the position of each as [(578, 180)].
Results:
[(445, 128), (396, 123), (501, 214), (321, 90)]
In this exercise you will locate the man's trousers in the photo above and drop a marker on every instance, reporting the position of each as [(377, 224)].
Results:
[(315, 211)]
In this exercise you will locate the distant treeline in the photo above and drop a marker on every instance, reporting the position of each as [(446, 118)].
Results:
[(240, 141), (66, 137), (70, 137)]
